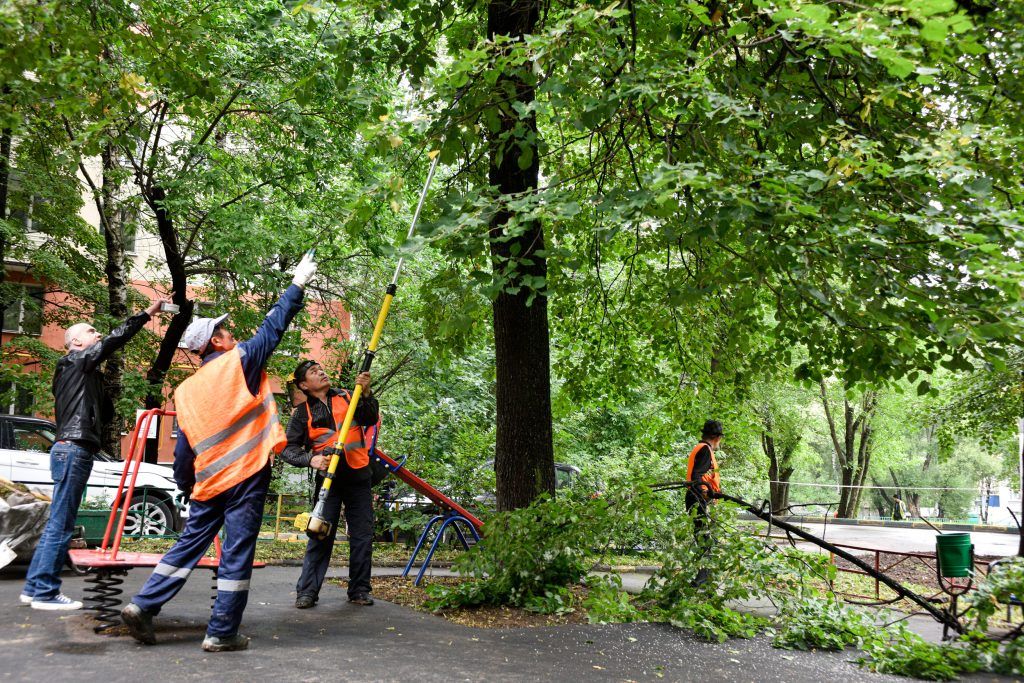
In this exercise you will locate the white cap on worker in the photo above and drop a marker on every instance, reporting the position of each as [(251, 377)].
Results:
[(197, 334)]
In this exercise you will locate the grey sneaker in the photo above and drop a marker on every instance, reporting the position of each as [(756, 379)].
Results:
[(139, 623), (58, 603), (225, 644)]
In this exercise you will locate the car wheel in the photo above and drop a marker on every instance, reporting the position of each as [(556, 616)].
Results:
[(150, 516)]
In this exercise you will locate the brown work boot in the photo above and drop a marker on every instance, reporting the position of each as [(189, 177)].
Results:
[(139, 623), (364, 599), (226, 643)]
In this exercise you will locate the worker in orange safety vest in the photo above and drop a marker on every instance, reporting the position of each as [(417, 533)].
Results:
[(312, 440), (222, 459), (702, 472)]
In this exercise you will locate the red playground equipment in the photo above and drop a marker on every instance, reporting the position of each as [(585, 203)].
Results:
[(107, 564)]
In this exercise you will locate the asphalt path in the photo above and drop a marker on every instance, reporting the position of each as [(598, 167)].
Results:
[(339, 641), (908, 540)]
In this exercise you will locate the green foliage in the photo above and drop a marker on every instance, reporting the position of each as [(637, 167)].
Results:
[(816, 624), (713, 622), (527, 558), (408, 523), (1009, 660), (606, 602), (1004, 580), (900, 651)]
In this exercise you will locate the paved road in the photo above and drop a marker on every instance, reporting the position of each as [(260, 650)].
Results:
[(338, 641), (912, 540)]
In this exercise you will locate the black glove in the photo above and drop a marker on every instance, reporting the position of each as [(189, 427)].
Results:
[(185, 496)]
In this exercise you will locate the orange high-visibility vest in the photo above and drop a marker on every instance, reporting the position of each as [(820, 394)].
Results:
[(231, 431), (711, 476), (357, 453)]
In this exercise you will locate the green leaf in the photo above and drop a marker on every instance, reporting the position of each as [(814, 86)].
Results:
[(934, 30), (525, 156), (927, 8)]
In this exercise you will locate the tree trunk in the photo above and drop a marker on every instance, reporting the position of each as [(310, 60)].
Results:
[(524, 454), (157, 372), (1020, 473), (779, 468), (854, 458), (117, 292), (5, 187), (784, 476)]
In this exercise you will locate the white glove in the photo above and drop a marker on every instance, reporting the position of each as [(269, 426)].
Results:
[(305, 270)]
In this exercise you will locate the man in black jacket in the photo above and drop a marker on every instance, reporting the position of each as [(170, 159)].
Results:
[(311, 442), (81, 409)]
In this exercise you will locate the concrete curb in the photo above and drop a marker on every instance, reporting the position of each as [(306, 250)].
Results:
[(946, 526)]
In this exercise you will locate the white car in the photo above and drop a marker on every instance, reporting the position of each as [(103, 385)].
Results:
[(25, 458)]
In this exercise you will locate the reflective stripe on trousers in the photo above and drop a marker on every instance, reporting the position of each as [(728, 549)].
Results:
[(240, 511)]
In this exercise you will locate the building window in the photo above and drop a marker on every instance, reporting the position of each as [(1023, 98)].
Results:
[(21, 215), (24, 313), (128, 218), (21, 203), (16, 399)]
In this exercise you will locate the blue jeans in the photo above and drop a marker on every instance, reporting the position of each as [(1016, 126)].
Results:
[(70, 467), (240, 511)]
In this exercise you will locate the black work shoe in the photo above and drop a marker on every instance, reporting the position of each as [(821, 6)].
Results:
[(139, 623), (364, 599), (305, 601), (225, 644)]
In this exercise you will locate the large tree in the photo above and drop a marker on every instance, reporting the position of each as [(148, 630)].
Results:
[(835, 176), (232, 129)]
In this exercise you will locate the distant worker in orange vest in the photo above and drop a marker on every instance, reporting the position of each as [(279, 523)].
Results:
[(312, 441), (702, 472), (227, 415)]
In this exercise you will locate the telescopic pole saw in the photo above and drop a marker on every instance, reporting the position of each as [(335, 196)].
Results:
[(318, 527)]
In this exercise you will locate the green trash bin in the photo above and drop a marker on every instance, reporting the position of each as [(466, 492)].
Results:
[(954, 554), (94, 523)]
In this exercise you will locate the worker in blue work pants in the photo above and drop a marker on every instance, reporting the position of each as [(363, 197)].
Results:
[(229, 427)]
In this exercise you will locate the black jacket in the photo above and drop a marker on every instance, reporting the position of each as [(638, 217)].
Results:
[(299, 450), (81, 406)]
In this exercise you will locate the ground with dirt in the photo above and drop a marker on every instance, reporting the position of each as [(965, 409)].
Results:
[(402, 592), (916, 570)]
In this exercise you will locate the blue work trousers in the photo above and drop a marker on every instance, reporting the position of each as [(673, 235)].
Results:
[(240, 511), (70, 467)]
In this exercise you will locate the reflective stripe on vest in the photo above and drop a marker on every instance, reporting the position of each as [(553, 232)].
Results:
[(357, 455), (232, 432), (711, 476), (232, 456)]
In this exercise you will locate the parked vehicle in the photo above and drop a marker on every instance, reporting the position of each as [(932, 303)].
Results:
[(25, 458)]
